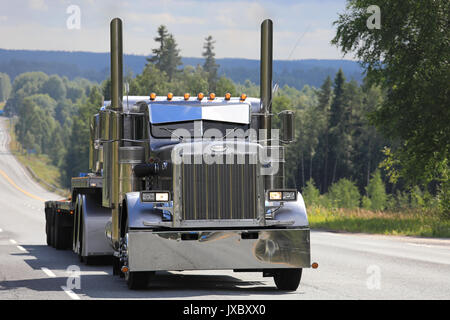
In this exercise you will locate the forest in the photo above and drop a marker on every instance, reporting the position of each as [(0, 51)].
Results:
[(346, 153)]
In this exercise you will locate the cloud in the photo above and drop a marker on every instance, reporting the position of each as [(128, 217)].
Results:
[(38, 5)]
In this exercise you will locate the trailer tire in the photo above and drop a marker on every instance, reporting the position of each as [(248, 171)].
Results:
[(288, 279), (59, 236), (48, 233)]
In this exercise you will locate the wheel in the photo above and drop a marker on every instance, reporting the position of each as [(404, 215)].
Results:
[(59, 240), (116, 266), (287, 279), (135, 279), (138, 279), (80, 237), (48, 233)]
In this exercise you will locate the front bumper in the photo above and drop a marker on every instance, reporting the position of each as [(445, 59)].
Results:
[(214, 250)]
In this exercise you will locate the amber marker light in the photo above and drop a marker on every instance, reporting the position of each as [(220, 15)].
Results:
[(152, 96), (315, 265), (243, 97), (212, 96), (227, 96), (170, 96), (187, 96), (200, 96)]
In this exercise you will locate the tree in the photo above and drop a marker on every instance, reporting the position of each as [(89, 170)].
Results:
[(76, 158), (376, 192), (210, 65), (24, 85), (167, 56), (5, 87), (409, 58), (171, 58), (344, 194), (325, 97), (225, 85), (54, 87), (158, 53)]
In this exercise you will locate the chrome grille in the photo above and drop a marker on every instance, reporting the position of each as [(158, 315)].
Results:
[(219, 191)]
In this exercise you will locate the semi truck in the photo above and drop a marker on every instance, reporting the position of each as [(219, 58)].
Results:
[(186, 183)]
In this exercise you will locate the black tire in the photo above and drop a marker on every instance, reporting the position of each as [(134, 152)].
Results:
[(48, 233), (288, 279), (59, 234), (138, 280), (116, 266), (80, 239)]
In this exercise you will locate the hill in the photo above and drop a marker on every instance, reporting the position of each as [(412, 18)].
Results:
[(95, 66)]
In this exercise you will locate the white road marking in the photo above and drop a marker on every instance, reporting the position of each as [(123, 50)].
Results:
[(427, 245), (13, 241), (70, 293), (22, 248), (48, 272)]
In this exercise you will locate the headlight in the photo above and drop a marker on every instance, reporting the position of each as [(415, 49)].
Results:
[(283, 195), (275, 195), (156, 196)]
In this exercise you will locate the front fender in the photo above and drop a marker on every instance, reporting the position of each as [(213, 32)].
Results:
[(293, 211), (139, 211)]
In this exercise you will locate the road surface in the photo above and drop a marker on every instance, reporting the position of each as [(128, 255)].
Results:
[(351, 266)]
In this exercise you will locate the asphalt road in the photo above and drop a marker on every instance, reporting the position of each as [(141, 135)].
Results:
[(351, 266)]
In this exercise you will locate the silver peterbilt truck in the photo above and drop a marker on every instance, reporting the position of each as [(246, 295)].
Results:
[(186, 183)]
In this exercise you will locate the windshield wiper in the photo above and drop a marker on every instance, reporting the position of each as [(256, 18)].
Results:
[(171, 132)]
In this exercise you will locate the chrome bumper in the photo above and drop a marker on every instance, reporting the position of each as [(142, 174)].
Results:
[(214, 250)]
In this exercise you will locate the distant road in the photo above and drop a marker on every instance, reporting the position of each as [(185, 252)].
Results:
[(351, 266)]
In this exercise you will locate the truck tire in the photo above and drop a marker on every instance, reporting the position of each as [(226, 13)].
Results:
[(86, 259), (59, 234), (48, 233), (137, 280), (288, 279)]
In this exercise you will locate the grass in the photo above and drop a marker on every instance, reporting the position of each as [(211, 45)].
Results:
[(47, 175), (423, 223), (2, 105)]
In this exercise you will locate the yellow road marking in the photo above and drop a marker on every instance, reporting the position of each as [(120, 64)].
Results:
[(19, 188)]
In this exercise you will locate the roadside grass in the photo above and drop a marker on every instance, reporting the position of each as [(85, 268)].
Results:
[(2, 105), (423, 223), (46, 174)]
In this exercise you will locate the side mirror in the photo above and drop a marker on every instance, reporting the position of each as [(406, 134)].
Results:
[(287, 126)]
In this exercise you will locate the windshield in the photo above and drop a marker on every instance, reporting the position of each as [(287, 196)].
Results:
[(191, 129)]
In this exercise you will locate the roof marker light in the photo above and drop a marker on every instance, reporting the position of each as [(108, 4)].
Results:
[(212, 96), (187, 96), (227, 96), (152, 96), (243, 97), (200, 96), (169, 96)]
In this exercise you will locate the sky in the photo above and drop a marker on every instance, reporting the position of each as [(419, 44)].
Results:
[(302, 29)]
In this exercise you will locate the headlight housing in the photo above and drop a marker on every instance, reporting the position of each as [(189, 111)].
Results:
[(282, 195), (155, 196)]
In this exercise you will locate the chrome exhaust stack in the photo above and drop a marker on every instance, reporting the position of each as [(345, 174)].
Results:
[(266, 67), (116, 126)]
